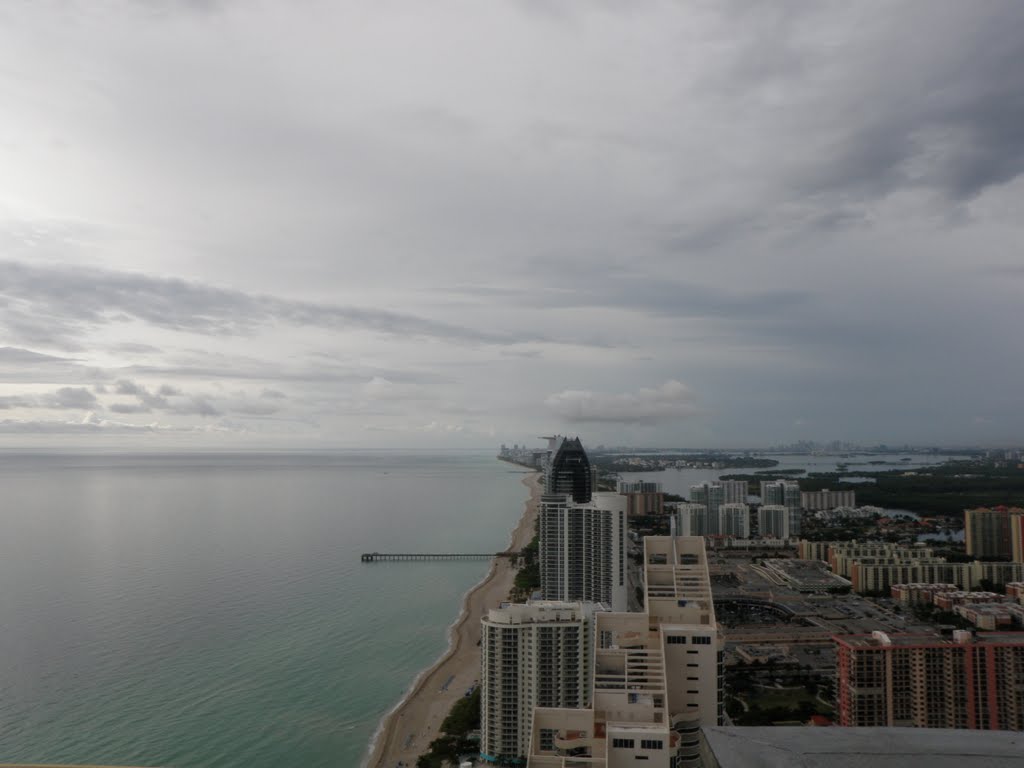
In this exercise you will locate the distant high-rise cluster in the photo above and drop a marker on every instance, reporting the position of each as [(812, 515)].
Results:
[(702, 516)]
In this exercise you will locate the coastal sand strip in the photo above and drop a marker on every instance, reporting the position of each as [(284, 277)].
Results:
[(408, 730)]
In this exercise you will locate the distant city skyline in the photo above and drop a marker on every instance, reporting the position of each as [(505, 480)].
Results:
[(315, 225)]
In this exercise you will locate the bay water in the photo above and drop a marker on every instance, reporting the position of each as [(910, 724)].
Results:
[(211, 610), (678, 481)]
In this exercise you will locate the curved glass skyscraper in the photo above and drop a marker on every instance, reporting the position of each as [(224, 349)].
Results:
[(570, 472)]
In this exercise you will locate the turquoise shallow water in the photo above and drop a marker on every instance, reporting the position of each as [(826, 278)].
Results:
[(211, 610)]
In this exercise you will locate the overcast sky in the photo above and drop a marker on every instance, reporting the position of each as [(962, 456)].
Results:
[(390, 224)]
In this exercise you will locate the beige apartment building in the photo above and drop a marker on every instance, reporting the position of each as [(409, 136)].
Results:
[(826, 499), (537, 654), (928, 682), (814, 550), (656, 674), (872, 577), (918, 593), (995, 532), (843, 555)]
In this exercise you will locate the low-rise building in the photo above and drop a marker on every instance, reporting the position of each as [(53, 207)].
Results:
[(843, 555), (987, 616), (806, 575), (768, 747), (870, 578), (946, 601), (918, 594), (813, 550)]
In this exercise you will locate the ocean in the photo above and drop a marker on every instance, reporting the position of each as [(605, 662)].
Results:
[(211, 610)]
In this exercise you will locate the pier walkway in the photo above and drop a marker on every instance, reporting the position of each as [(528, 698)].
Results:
[(383, 557)]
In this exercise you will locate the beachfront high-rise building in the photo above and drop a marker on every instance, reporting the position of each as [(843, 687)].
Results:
[(538, 654), (987, 532), (925, 681), (734, 520), (583, 549), (786, 493), (570, 472), (773, 521), (657, 674)]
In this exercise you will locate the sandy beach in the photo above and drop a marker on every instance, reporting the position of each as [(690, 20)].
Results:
[(409, 729)]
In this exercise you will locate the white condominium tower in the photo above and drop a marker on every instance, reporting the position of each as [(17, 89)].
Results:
[(786, 493), (691, 520), (712, 496), (734, 491), (583, 548), (734, 520), (656, 674), (534, 655), (773, 521)]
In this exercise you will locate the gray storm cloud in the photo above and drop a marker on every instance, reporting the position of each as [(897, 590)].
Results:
[(671, 401), (447, 224)]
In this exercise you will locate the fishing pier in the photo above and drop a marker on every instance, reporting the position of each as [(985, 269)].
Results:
[(390, 557)]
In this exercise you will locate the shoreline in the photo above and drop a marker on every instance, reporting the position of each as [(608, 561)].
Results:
[(406, 730)]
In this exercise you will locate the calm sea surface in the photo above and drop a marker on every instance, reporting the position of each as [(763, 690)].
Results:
[(211, 610)]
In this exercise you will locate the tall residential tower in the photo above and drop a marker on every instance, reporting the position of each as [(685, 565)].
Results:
[(583, 549), (535, 655)]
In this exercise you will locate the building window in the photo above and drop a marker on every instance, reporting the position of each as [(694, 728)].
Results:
[(623, 743), (547, 739), (701, 640), (676, 640), (651, 744)]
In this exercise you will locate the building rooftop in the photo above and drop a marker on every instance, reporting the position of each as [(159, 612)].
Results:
[(899, 640), (781, 747)]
